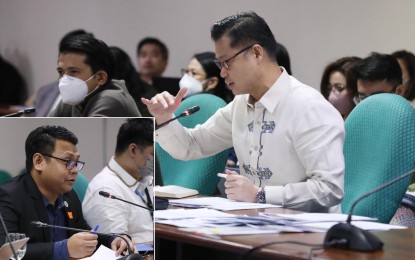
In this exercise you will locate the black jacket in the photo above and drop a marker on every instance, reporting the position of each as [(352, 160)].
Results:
[(21, 203)]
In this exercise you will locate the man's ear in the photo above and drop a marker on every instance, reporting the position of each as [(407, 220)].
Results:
[(400, 90), (101, 77), (133, 150), (258, 51), (38, 162)]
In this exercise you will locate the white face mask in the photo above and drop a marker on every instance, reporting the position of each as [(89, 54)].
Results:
[(72, 89), (193, 85)]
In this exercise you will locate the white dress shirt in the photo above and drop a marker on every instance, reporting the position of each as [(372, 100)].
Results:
[(114, 216), (290, 142)]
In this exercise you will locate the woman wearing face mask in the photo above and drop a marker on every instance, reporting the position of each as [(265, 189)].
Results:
[(338, 84), (203, 76)]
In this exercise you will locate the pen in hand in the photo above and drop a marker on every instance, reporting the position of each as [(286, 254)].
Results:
[(222, 175), (95, 229)]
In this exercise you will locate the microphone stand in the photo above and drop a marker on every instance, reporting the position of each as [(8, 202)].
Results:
[(187, 112), (107, 195), (41, 224), (8, 237), (357, 238), (21, 112)]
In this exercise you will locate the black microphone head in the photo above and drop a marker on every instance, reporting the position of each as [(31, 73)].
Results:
[(191, 110), (37, 223), (104, 194), (29, 110)]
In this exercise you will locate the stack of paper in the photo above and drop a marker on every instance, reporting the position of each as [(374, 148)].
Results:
[(219, 204)]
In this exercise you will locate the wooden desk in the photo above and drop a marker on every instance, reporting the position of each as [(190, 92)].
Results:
[(171, 243)]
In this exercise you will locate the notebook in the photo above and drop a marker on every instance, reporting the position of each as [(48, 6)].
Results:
[(173, 191)]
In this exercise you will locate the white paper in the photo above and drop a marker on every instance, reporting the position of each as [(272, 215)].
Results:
[(320, 217), (103, 253), (189, 213), (219, 204)]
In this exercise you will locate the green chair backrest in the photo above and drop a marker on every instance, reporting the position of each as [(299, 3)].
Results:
[(80, 186), (4, 176), (379, 146), (195, 174)]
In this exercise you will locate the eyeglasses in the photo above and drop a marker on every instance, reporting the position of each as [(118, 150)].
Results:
[(360, 97), (225, 63), (69, 163)]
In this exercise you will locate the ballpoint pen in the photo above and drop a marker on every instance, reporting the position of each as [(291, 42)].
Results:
[(95, 228)]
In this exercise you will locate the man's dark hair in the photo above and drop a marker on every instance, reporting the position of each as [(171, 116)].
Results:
[(72, 34), (98, 55), (377, 67), (244, 29), (149, 40), (43, 139), (139, 131)]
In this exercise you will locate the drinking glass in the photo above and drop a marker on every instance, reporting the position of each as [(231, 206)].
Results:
[(22, 251)]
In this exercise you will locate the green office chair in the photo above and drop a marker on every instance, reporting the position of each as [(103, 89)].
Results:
[(4, 176), (379, 146), (80, 186), (195, 174)]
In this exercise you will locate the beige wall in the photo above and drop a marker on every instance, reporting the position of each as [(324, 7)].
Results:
[(315, 32), (96, 136)]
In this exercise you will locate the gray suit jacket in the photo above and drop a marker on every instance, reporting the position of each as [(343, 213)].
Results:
[(109, 101)]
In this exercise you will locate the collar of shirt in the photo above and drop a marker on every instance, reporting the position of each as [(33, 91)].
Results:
[(271, 98), (123, 175), (59, 202)]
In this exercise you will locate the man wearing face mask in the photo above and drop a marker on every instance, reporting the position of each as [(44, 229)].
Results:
[(85, 67), (129, 176), (203, 76)]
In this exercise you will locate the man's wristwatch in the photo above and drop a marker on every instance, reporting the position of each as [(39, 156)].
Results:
[(260, 196)]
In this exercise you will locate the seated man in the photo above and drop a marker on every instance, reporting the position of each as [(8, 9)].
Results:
[(378, 73), (287, 137), (44, 193), (126, 178), (86, 67)]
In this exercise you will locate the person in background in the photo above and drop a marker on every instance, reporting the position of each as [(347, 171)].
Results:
[(12, 85), (283, 58), (288, 138), (85, 68), (338, 83), (377, 73), (406, 61), (125, 70), (203, 76), (47, 97), (44, 193), (126, 176), (152, 59)]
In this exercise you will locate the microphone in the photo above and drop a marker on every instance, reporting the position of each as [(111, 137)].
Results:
[(41, 224), (8, 237), (110, 196), (21, 112), (357, 238), (187, 112)]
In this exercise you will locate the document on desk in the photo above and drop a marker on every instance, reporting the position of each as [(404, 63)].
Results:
[(219, 204), (324, 221), (103, 253)]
